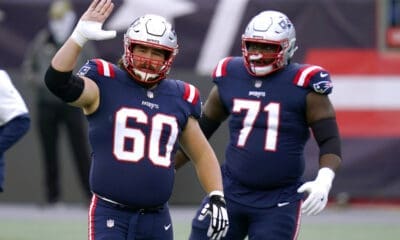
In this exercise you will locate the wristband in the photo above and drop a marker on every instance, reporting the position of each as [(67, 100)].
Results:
[(326, 176), (77, 37), (216, 193)]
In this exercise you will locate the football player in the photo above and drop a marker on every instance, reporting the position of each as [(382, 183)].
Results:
[(272, 104), (137, 118), (14, 118)]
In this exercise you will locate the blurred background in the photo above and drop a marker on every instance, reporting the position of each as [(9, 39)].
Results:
[(357, 41)]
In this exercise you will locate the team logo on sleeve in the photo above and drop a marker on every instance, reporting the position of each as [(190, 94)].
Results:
[(323, 86), (83, 71)]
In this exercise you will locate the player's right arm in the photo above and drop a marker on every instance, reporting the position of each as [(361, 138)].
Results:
[(79, 91), (86, 91), (208, 171)]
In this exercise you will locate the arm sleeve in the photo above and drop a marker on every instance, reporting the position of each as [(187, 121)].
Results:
[(327, 135)]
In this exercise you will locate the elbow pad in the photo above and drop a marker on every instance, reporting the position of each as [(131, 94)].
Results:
[(326, 133), (65, 85), (208, 126)]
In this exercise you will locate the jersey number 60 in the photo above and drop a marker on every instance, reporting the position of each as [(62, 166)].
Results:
[(157, 123)]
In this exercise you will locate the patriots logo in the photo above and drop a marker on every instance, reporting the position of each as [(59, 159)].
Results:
[(323, 86)]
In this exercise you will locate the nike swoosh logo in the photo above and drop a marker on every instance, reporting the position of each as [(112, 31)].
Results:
[(166, 227), (283, 204), (323, 75)]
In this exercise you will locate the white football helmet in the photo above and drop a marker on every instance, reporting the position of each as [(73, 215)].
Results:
[(271, 28), (152, 31)]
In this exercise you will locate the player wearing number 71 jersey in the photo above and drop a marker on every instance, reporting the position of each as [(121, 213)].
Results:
[(271, 103), (137, 118)]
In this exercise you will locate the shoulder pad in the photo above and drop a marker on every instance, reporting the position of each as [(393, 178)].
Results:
[(220, 69), (314, 77), (105, 68), (96, 68), (190, 93)]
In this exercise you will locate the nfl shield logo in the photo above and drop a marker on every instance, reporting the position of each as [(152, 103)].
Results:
[(258, 84), (110, 223), (150, 94)]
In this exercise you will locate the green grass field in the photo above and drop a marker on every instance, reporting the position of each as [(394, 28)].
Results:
[(32, 223)]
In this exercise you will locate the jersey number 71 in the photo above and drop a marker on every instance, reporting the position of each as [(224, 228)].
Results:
[(252, 110)]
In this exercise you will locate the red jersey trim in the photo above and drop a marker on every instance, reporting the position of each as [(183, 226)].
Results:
[(220, 69), (104, 68), (191, 94), (303, 76)]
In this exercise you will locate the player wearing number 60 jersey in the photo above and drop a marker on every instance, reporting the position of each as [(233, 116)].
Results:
[(271, 104), (137, 119), (134, 134)]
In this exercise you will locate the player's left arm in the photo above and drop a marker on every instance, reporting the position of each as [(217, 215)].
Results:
[(196, 146), (322, 120)]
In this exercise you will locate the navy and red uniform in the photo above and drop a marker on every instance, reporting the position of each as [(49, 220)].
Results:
[(264, 160), (134, 135)]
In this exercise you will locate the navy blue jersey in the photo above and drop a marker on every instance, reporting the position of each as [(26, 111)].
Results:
[(134, 134), (268, 127)]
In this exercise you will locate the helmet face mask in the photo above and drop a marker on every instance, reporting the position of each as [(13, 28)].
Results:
[(154, 34), (262, 56), (275, 31)]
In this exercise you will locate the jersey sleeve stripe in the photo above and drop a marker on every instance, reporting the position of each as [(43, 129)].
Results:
[(220, 70), (104, 68), (191, 94), (304, 75)]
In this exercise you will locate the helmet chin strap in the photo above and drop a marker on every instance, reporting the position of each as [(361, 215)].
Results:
[(145, 76)]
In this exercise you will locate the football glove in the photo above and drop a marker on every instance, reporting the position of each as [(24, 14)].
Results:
[(90, 30), (318, 191), (216, 208)]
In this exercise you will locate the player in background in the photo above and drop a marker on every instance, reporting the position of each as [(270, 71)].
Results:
[(14, 119), (137, 118), (53, 115), (272, 104)]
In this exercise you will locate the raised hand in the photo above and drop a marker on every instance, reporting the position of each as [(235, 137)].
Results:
[(91, 22)]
